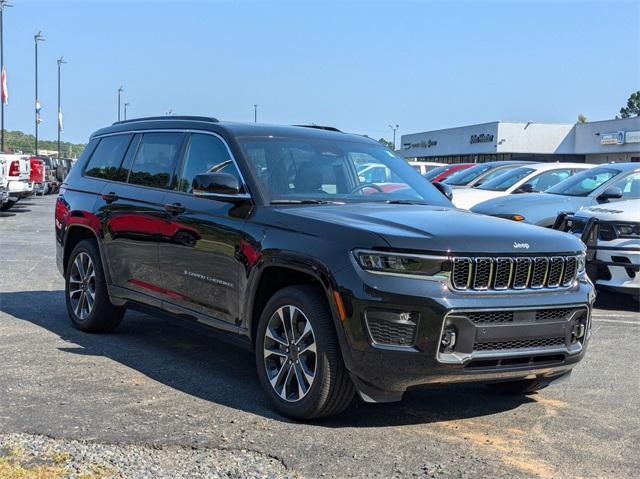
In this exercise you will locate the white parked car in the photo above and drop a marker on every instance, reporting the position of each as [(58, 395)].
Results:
[(423, 167), (18, 172), (533, 178), (4, 182), (612, 235)]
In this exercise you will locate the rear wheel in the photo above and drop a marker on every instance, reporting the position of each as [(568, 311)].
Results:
[(8, 205), (298, 357), (86, 292)]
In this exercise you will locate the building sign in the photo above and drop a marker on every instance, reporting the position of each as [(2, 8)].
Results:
[(482, 138), (632, 137), (422, 144), (616, 138)]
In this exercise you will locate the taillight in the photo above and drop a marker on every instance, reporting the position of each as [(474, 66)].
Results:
[(14, 169)]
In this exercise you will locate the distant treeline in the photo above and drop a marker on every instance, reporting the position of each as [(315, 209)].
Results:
[(15, 141)]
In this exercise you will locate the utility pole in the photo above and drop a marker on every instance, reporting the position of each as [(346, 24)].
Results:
[(60, 62), (120, 90), (255, 113), (3, 4), (37, 38), (126, 104), (394, 134)]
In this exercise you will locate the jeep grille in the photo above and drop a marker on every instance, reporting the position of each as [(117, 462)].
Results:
[(501, 273)]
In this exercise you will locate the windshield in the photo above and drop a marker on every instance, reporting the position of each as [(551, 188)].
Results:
[(294, 170), (506, 180), (583, 183), (463, 177), (436, 171)]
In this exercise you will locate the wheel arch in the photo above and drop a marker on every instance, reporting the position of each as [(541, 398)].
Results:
[(274, 276)]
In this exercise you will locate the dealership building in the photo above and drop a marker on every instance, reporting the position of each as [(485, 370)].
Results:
[(593, 142)]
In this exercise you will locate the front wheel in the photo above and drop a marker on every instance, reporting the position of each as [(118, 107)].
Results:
[(298, 357), (87, 298)]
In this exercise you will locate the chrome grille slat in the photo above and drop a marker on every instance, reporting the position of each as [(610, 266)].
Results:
[(522, 272)]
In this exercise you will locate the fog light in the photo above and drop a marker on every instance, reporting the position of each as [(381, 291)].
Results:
[(578, 332), (448, 341)]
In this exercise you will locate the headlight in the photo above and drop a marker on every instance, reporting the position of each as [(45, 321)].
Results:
[(627, 230), (582, 261), (436, 267)]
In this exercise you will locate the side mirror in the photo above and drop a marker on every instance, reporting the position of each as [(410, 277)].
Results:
[(526, 188), (611, 193), (444, 189), (216, 184)]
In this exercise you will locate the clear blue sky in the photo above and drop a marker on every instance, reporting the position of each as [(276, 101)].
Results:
[(356, 65)]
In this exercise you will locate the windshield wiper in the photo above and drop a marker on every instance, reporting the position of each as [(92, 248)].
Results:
[(303, 202), (403, 202)]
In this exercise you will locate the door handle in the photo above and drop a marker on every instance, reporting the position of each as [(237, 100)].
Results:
[(110, 197), (175, 208)]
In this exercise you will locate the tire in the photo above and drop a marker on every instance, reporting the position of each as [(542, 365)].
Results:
[(520, 387), (8, 205), (98, 315), (331, 390)]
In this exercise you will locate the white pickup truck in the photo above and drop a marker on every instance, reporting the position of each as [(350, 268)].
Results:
[(18, 171)]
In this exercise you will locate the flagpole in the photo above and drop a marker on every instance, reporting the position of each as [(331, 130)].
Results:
[(60, 62), (3, 4), (37, 38)]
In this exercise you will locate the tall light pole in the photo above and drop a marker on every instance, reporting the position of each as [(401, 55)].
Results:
[(394, 134), (126, 104), (37, 38), (60, 62), (255, 113), (3, 3), (120, 90)]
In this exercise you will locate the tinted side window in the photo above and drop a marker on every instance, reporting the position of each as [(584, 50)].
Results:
[(106, 158), (156, 159), (205, 154)]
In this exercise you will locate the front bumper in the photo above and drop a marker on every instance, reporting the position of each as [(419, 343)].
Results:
[(383, 371)]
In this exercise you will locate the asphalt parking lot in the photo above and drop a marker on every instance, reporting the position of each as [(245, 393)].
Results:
[(160, 387)]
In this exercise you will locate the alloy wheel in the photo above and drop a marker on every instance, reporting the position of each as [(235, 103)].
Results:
[(82, 285), (290, 357)]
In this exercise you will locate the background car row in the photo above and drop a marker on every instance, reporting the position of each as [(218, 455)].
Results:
[(598, 203), (22, 176)]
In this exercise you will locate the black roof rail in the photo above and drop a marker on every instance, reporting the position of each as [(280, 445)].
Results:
[(208, 119), (320, 127)]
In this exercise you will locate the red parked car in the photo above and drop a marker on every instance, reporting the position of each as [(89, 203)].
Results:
[(37, 176), (442, 172)]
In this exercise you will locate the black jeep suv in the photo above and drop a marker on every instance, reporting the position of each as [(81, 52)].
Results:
[(277, 236)]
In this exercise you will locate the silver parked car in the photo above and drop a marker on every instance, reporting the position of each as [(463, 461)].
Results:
[(602, 184)]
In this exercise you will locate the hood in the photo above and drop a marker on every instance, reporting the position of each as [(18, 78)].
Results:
[(469, 197), (430, 228), (535, 207), (617, 211)]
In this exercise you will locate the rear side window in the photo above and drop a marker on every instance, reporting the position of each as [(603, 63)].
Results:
[(156, 159), (106, 158)]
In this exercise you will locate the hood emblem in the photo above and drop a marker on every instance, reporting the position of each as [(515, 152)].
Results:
[(517, 245)]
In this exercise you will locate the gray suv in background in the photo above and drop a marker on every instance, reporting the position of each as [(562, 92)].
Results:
[(602, 184)]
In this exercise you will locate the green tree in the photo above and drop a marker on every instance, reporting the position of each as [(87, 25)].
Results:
[(633, 106), (582, 118), (387, 143), (18, 141)]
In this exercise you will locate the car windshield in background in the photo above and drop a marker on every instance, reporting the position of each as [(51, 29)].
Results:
[(583, 183), (435, 172), (296, 170), (506, 180), (467, 175)]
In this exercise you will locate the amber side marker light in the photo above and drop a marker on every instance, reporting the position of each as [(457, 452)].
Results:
[(340, 306), (517, 218)]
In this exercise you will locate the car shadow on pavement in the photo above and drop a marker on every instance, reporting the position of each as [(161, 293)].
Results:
[(185, 359), (611, 301)]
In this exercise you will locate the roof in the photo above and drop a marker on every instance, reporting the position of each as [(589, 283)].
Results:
[(232, 128)]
